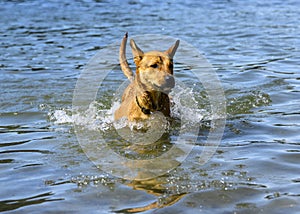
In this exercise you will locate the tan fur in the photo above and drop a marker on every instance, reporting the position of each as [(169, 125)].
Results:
[(151, 84)]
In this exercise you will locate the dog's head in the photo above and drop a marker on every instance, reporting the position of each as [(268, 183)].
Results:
[(154, 70)]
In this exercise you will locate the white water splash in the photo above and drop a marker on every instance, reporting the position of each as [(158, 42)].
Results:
[(94, 118), (185, 104), (97, 117)]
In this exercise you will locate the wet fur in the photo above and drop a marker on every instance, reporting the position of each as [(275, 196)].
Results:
[(149, 88)]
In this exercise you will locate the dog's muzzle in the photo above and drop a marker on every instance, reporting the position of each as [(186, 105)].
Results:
[(169, 84)]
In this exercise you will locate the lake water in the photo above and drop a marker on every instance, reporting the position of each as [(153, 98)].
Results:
[(253, 47)]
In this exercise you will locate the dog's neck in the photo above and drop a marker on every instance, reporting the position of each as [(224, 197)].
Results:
[(146, 99), (143, 109)]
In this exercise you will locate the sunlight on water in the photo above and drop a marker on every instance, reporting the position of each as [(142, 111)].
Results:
[(253, 47)]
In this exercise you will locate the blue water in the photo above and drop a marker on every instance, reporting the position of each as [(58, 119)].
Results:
[(253, 47)]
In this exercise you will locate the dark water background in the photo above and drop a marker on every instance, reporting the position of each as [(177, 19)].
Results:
[(254, 47)]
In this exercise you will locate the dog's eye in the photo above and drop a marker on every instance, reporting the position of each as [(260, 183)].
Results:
[(154, 65)]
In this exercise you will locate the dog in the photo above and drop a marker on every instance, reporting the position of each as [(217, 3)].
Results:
[(151, 84)]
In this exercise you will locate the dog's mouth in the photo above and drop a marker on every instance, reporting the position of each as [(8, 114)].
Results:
[(167, 90), (163, 88)]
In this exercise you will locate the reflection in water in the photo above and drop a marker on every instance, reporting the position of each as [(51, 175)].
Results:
[(164, 191), (7, 205), (154, 187)]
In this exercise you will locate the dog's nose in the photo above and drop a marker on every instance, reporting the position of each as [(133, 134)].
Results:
[(170, 81), (169, 84)]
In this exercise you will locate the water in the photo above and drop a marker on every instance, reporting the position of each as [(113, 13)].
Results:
[(254, 48)]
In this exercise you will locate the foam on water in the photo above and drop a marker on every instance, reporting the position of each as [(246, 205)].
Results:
[(97, 117), (185, 104), (94, 118)]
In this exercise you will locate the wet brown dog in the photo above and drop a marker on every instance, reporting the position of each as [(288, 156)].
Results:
[(149, 88)]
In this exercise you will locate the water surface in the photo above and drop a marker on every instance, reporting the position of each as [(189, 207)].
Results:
[(254, 48)]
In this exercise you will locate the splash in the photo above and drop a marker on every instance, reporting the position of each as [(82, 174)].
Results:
[(94, 118), (185, 104)]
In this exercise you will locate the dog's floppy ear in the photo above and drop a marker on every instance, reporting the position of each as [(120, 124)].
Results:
[(171, 51), (136, 51)]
